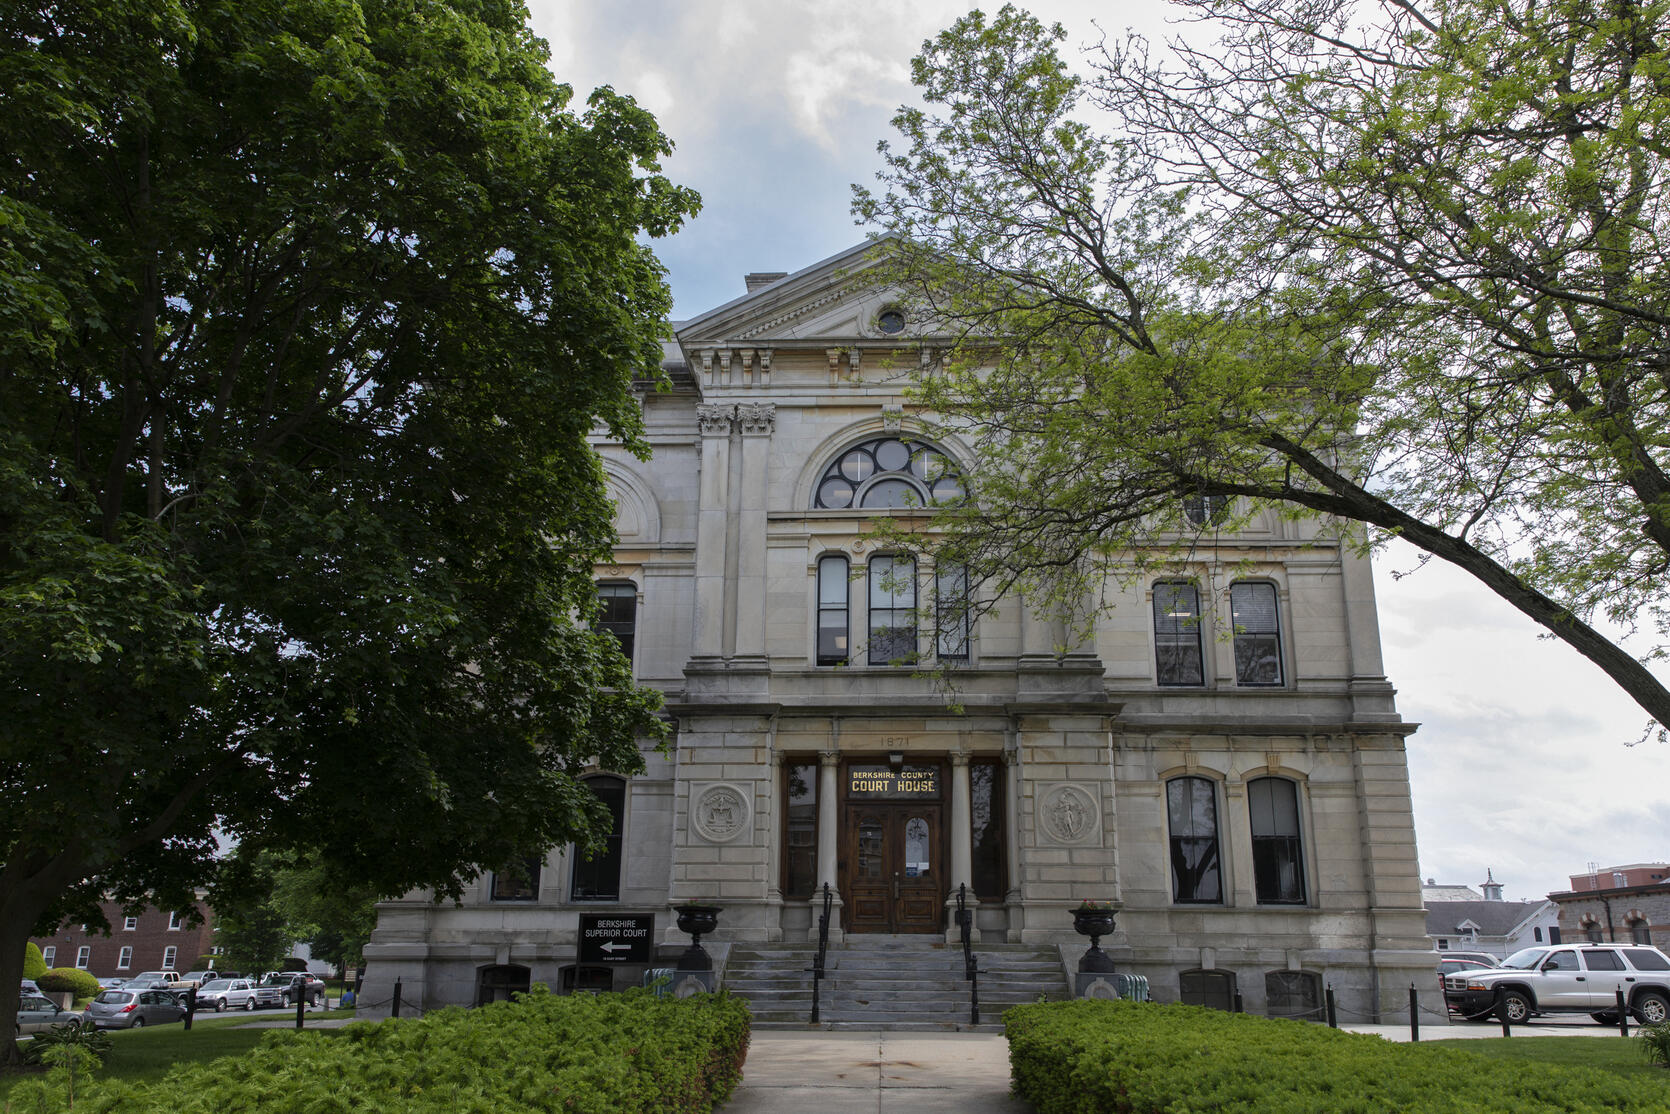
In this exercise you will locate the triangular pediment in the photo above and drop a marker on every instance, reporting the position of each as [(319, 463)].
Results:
[(831, 302)]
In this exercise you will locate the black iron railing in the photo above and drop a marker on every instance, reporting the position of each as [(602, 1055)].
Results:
[(823, 948), (971, 966)]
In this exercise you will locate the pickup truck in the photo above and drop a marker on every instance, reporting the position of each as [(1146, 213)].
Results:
[(293, 984)]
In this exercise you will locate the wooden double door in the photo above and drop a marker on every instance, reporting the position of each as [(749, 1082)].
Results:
[(893, 866)]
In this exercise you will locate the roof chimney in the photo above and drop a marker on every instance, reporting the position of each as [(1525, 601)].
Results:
[(762, 278)]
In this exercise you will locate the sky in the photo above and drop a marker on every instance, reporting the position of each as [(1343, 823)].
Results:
[(1523, 764)]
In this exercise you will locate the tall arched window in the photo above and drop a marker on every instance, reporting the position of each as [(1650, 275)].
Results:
[(888, 472), (598, 878), (1192, 812), (1278, 856)]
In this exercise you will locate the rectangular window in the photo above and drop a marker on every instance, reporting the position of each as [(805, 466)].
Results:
[(519, 883), (1278, 859), (834, 591), (1536, 934), (129, 923), (1192, 809), (49, 954), (1252, 608), (168, 955), (125, 960), (82, 956), (618, 614), (951, 612), (800, 831), (598, 878), (174, 922), (986, 814), (1177, 634), (892, 610)]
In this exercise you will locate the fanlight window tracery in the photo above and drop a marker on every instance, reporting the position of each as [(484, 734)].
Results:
[(889, 472)]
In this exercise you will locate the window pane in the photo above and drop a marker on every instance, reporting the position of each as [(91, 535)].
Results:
[(951, 599), (1257, 634), (1278, 859), (986, 786), (1193, 814), (618, 613), (1177, 634), (800, 837), (893, 493), (833, 591), (517, 882), (1296, 994), (598, 878), (892, 610)]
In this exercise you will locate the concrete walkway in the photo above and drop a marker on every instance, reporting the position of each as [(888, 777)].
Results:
[(848, 1072), (876, 1073)]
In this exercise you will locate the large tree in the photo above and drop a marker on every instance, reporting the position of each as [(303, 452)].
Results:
[(307, 309), (1392, 263)]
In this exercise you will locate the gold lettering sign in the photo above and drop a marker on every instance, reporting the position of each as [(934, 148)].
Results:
[(883, 781)]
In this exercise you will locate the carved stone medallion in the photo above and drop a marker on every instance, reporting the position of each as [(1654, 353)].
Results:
[(1067, 814), (721, 813)]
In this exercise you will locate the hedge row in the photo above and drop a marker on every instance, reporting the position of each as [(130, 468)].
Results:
[(582, 1054), (1142, 1058)]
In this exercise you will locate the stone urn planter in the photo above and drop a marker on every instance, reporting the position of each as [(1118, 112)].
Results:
[(1095, 920), (698, 921)]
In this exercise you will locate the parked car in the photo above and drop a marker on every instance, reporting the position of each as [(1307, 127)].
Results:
[(36, 1012), (1484, 958), (237, 994), (112, 984), (1580, 978), (296, 985), (1451, 966), (31, 987), (133, 1009)]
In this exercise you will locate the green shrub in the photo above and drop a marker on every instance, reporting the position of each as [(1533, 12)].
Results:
[(96, 1041), (628, 1053), (34, 964), (1654, 1041), (71, 979), (1142, 1058)]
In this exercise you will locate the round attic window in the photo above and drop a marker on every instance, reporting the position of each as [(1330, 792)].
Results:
[(890, 321)]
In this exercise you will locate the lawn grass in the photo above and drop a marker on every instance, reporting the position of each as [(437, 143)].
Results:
[(146, 1055), (1617, 1054)]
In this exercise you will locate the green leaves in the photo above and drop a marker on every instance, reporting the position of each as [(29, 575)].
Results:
[(310, 308)]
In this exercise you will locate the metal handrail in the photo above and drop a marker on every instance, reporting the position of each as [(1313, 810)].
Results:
[(971, 966), (823, 948)]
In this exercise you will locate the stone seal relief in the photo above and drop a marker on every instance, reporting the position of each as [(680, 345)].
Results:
[(1068, 814), (721, 813)]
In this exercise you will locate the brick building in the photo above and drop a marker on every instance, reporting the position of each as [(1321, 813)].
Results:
[(153, 940), (1618, 904)]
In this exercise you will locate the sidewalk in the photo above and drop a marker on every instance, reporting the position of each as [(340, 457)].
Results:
[(894, 1072), (876, 1073)]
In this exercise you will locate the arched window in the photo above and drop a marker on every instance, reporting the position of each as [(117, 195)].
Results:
[(598, 878), (518, 882), (1192, 812), (834, 604), (889, 472), (1177, 634), (1252, 610), (498, 983), (1295, 994), (618, 613), (1278, 857), (1640, 932), (892, 609), (1207, 988)]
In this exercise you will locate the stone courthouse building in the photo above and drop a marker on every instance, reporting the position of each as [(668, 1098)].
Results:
[(1224, 757)]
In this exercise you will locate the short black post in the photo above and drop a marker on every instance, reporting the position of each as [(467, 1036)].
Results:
[(191, 1005), (301, 1008), (1623, 1015), (1414, 1015), (1333, 1014), (1240, 1006), (1502, 1010), (396, 1011)]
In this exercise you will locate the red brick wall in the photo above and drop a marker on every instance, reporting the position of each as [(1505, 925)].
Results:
[(150, 939)]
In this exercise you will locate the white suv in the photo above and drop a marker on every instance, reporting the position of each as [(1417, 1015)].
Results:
[(1568, 978)]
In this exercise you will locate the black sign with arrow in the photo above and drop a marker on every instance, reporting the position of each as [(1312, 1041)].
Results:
[(616, 938)]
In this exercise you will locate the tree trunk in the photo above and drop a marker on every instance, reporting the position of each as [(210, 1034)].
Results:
[(16, 925)]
